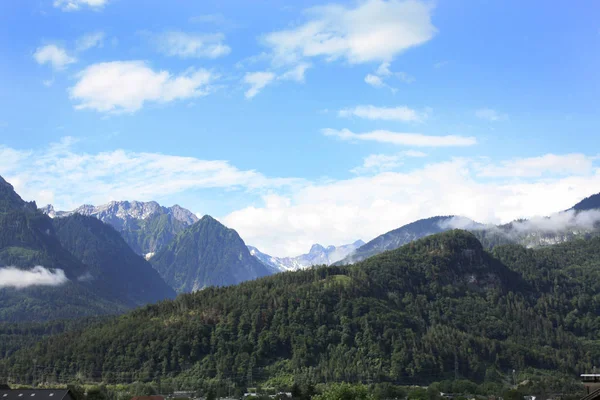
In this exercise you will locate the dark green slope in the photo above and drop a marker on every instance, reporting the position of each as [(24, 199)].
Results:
[(28, 239), (407, 316), (115, 270), (207, 254)]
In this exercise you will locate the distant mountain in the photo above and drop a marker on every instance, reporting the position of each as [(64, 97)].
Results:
[(582, 221), (145, 226), (401, 236), (318, 255), (114, 269), (207, 254)]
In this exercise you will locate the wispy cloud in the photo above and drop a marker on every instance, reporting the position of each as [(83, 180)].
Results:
[(257, 81), (377, 163), (12, 277), (441, 64), (53, 55), (90, 40), (67, 178), (401, 113), (296, 73), (216, 19), (403, 139), (374, 80), (490, 115), (75, 5), (383, 73), (191, 45), (125, 86)]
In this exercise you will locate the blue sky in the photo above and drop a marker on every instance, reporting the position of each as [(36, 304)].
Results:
[(318, 122)]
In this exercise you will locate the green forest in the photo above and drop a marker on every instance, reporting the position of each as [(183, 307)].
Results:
[(440, 309)]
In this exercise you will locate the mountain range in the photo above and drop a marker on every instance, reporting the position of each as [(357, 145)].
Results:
[(580, 221), (145, 226), (95, 247)]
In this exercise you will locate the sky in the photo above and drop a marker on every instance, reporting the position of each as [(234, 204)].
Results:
[(303, 122)]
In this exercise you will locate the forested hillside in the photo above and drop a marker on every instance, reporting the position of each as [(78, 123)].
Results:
[(433, 309), (116, 271), (207, 254)]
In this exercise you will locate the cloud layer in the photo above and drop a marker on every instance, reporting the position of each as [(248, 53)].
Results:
[(125, 86), (364, 207), (382, 193), (12, 277)]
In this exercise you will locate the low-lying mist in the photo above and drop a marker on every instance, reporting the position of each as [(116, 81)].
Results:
[(37, 276)]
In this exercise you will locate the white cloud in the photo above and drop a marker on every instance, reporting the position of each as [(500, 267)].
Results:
[(402, 113), (48, 82), (366, 206), (37, 276), (490, 115), (296, 73), (374, 80), (404, 139), (54, 55), (74, 5), (257, 81), (124, 86), (192, 45), (374, 30), (575, 163), (90, 40), (68, 178), (297, 213)]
